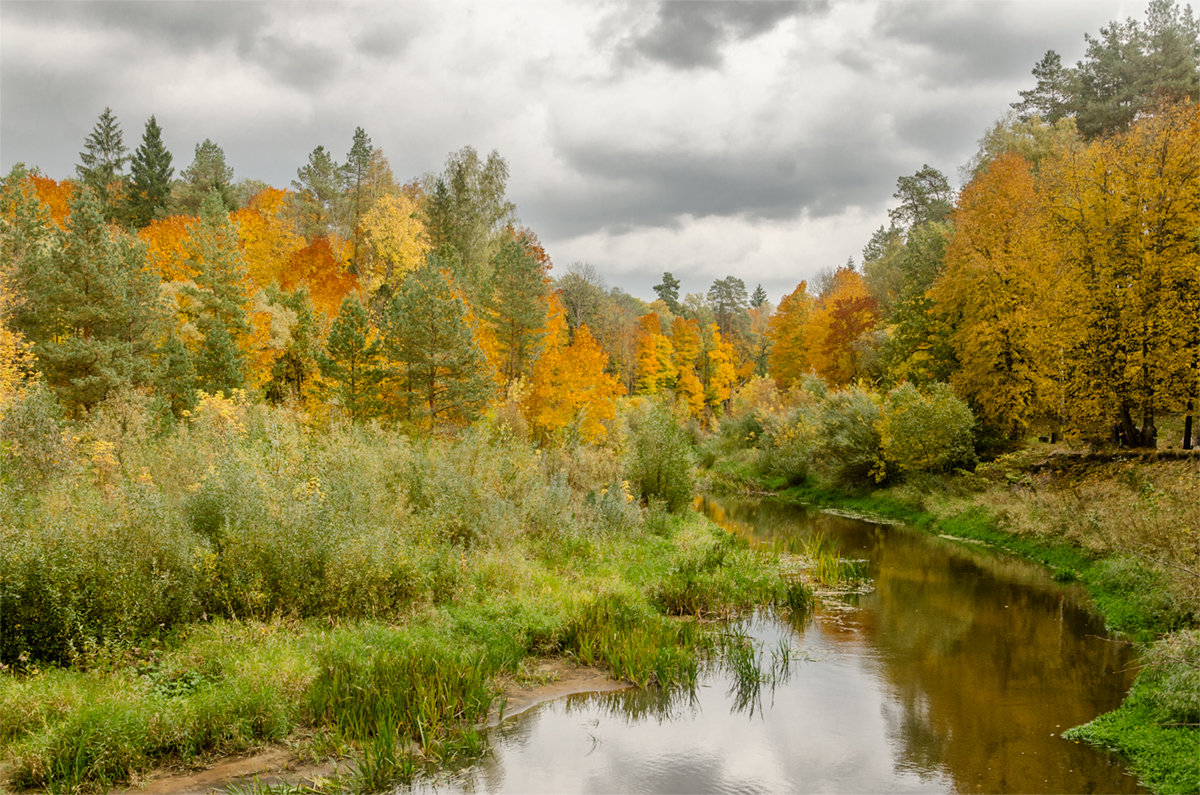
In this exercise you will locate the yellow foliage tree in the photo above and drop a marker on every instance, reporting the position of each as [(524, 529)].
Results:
[(267, 235), (719, 368), (992, 295), (394, 241), (787, 361), (569, 390), (656, 371), (685, 341)]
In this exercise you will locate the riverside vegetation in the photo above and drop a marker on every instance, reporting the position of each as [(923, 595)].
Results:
[(1124, 524), (238, 578)]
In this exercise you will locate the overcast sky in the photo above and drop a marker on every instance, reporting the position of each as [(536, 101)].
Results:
[(758, 139)]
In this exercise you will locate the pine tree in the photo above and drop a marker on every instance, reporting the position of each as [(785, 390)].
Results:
[(352, 366), (90, 309), (102, 164), (518, 307), (207, 173), (318, 192), (354, 187), (668, 292), (445, 375), (150, 178), (175, 382)]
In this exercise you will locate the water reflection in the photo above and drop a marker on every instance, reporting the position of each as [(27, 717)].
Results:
[(957, 673)]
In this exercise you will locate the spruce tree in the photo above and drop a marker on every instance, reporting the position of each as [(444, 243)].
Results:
[(150, 178), (354, 175), (175, 383), (102, 164), (220, 298)]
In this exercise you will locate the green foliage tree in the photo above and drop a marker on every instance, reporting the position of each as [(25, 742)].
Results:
[(318, 187), (207, 173), (220, 298), (1129, 68), (175, 382), (355, 176), (352, 364), (150, 178), (444, 374), (102, 162), (924, 197), (660, 464), (90, 308), (518, 306), (466, 212), (729, 303), (668, 292), (925, 431)]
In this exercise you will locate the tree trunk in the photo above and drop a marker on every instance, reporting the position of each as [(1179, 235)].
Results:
[(1187, 427)]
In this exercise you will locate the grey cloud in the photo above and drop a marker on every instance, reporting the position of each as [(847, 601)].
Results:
[(298, 64), (621, 189), (169, 25), (968, 41), (688, 35)]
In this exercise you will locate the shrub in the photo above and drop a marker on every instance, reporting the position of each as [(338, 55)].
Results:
[(847, 449), (789, 445), (930, 432), (31, 438), (659, 463)]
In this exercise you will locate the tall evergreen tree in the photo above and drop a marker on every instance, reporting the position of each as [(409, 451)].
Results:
[(220, 298), (668, 292), (207, 173), (519, 305), (355, 174), (444, 372), (318, 187), (758, 297), (102, 164), (91, 308), (352, 364), (150, 178)]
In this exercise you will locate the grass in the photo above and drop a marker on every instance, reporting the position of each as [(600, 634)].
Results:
[(244, 580)]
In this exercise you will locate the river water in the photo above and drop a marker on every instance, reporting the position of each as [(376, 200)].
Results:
[(957, 673)]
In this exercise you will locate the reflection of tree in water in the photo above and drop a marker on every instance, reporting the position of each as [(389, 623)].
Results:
[(986, 659)]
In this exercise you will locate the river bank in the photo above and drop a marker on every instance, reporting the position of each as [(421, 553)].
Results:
[(1124, 528)]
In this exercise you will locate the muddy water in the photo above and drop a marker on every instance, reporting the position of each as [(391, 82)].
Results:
[(956, 674)]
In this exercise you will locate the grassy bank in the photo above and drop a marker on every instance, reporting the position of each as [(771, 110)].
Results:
[(172, 596), (1125, 528)]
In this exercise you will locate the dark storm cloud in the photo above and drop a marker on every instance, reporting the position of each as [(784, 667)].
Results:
[(976, 42), (636, 189), (688, 35), (173, 26)]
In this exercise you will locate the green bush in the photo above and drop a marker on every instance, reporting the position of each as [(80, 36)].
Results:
[(789, 446), (847, 449), (926, 432), (659, 463), (31, 438)]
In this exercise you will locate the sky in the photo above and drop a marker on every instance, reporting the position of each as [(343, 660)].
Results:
[(761, 140)]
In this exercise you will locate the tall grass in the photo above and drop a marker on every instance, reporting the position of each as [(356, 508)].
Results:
[(170, 596)]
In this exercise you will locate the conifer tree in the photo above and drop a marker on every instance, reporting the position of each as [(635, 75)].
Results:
[(90, 308), (351, 365), (445, 375), (355, 174), (102, 164), (150, 178), (519, 288), (207, 173), (175, 382)]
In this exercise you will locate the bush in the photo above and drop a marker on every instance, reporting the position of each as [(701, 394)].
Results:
[(847, 450), (787, 450), (930, 432), (31, 438), (659, 464)]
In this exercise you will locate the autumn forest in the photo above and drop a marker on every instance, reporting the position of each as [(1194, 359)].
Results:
[(270, 452)]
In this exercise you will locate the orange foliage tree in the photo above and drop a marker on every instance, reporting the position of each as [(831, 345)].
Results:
[(323, 266), (55, 195), (841, 317)]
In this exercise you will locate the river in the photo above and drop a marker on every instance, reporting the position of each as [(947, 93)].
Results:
[(957, 673)]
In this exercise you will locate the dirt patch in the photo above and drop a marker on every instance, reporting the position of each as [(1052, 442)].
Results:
[(548, 680)]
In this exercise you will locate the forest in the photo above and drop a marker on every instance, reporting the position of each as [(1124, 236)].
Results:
[(248, 428)]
